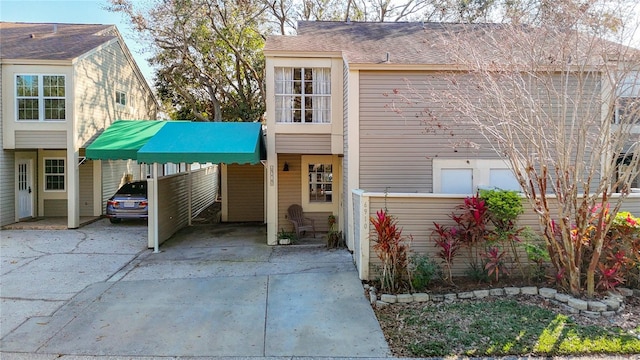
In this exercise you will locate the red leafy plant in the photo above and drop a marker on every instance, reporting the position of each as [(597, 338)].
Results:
[(471, 223), (392, 248), (448, 241), (610, 278), (494, 262)]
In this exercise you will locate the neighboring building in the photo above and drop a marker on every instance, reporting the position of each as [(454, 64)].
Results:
[(332, 129), (62, 85)]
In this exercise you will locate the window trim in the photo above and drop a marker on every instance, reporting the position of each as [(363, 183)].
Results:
[(40, 98), (304, 183), (121, 94), (45, 174), (627, 88), (283, 96), (481, 171)]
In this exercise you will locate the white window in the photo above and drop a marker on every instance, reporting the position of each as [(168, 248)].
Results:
[(54, 174), (303, 95), (40, 98), (627, 106), (317, 183), (121, 98), (455, 176)]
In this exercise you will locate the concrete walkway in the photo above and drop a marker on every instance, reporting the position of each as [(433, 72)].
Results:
[(212, 291)]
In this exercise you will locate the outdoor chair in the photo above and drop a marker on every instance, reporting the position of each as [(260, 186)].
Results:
[(300, 222)]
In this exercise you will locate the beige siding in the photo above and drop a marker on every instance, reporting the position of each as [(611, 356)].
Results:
[(416, 215), (245, 192), (346, 191), (173, 204), (55, 207), (290, 192), (114, 174), (205, 185), (289, 189), (303, 143), (7, 174), (34, 139), (396, 149), (86, 188), (99, 76)]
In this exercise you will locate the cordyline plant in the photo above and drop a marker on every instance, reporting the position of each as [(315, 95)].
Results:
[(471, 226), (392, 248), (447, 239), (558, 104)]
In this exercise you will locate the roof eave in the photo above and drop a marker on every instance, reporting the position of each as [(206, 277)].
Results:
[(304, 54), (63, 62)]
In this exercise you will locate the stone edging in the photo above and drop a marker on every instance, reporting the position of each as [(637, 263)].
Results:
[(612, 304)]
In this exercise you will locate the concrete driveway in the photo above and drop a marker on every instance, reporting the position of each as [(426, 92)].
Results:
[(214, 290)]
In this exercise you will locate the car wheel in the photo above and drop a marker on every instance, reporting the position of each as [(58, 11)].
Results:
[(115, 221)]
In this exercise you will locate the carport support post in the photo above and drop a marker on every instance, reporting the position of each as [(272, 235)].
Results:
[(152, 184)]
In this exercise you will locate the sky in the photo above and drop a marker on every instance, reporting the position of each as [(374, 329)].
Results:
[(75, 12)]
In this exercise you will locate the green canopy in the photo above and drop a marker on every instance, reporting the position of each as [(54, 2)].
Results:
[(123, 139), (205, 142)]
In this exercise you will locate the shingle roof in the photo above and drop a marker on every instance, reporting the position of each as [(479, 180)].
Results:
[(416, 43), (50, 41)]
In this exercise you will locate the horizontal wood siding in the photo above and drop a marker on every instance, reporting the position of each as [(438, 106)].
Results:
[(346, 192), (416, 216), (114, 173), (7, 175), (173, 205), (41, 139), (396, 150), (98, 77), (55, 207), (86, 188), (7, 186), (245, 192), (397, 145), (204, 190), (303, 143), (289, 189)]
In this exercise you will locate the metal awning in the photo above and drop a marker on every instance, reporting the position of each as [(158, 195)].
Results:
[(205, 142), (123, 139), (180, 142)]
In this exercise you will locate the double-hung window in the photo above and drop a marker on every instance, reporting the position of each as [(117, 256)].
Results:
[(40, 98), (54, 174), (303, 95), (627, 105)]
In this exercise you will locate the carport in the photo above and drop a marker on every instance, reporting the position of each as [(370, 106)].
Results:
[(178, 142)]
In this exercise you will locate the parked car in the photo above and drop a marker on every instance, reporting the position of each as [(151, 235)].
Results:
[(129, 202)]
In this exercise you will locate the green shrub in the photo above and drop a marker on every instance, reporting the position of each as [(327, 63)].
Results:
[(423, 271)]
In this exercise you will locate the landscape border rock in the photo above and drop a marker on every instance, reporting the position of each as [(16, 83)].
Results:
[(610, 305)]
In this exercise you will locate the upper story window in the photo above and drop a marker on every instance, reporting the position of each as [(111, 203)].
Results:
[(121, 98), (40, 98), (627, 106), (303, 95)]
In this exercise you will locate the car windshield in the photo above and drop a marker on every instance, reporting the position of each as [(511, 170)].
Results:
[(133, 189)]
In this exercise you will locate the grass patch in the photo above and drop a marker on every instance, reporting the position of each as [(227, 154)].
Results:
[(492, 328)]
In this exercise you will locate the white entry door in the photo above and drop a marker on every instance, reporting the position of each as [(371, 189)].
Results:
[(25, 189)]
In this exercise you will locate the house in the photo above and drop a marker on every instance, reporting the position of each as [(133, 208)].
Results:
[(337, 144), (62, 85)]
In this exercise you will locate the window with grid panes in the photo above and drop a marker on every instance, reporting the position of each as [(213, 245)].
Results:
[(54, 174), (40, 97)]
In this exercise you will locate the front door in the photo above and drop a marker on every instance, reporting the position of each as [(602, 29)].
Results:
[(25, 189)]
